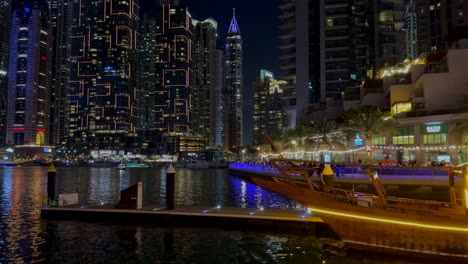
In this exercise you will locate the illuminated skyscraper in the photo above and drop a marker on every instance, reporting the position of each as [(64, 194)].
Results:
[(61, 19), (147, 78), (219, 98), (204, 99), (29, 78), (233, 123), (174, 76), (268, 115), (103, 79), (5, 20)]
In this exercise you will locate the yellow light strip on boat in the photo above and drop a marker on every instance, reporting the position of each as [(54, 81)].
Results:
[(465, 180), (466, 198), (384, 220)]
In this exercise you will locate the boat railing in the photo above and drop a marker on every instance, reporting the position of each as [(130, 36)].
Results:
[(355, 201), (350, 171), (254, 167), (355, 170)]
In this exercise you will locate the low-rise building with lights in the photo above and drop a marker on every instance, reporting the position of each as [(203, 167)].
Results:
[(428, 101), (184, 146)]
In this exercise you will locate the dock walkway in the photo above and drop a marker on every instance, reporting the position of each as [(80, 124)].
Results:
[(188, 215)]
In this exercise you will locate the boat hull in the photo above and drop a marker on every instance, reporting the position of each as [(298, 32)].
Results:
[(383, 231), (398, 239)]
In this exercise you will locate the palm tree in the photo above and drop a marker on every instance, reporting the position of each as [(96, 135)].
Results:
[(369, 121), (298, 138), (327, 135)]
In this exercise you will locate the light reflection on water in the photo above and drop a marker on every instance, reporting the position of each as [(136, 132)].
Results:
[(24, 238)]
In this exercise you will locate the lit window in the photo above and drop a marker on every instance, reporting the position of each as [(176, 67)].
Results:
[(401, 107), (435, 138), (379, 141), (403, 136)]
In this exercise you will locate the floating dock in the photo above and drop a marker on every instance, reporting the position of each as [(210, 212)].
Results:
[(238, 218)]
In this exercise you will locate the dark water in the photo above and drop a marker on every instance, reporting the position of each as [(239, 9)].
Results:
[(25, 238)]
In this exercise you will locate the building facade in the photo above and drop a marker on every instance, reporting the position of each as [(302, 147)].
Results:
[(173, 65), (61, 21), (411, 31), (204, 88), (5, 26), (300, 41), (104, 97), (435, 19), (233, 92), (329, 47), (28, 106)]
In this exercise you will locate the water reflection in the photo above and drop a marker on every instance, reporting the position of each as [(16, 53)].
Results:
[(24, 238), (248, 195), (20, 233)]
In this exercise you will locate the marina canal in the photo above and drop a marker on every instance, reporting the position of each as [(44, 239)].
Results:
[(24, 237)]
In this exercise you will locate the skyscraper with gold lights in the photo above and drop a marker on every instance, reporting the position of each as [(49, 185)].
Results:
[(174, 75), (103, 76)]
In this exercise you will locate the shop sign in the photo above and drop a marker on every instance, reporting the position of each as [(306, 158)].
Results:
[(358, 140), (433, 129)]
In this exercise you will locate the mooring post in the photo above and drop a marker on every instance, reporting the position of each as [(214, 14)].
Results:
[(170, 187), (139, 204), (328, 175), (51, 184)]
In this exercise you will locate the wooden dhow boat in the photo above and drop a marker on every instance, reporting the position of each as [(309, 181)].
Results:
[(380, 223)]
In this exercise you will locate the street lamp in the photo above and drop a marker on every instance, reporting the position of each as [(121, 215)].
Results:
[(294, 142), (243, 156)]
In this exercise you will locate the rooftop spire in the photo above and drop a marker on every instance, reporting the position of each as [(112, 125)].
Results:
[(233, 27)]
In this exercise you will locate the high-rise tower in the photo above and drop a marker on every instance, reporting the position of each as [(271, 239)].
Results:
[(329, 46), (61, 19), (219, 98), (5, 20), (174, 76), (233, 123), (147, 78), (29, 78), (103, 79), (204, 88)]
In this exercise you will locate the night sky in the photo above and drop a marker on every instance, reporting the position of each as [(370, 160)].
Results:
[(258, 20)]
